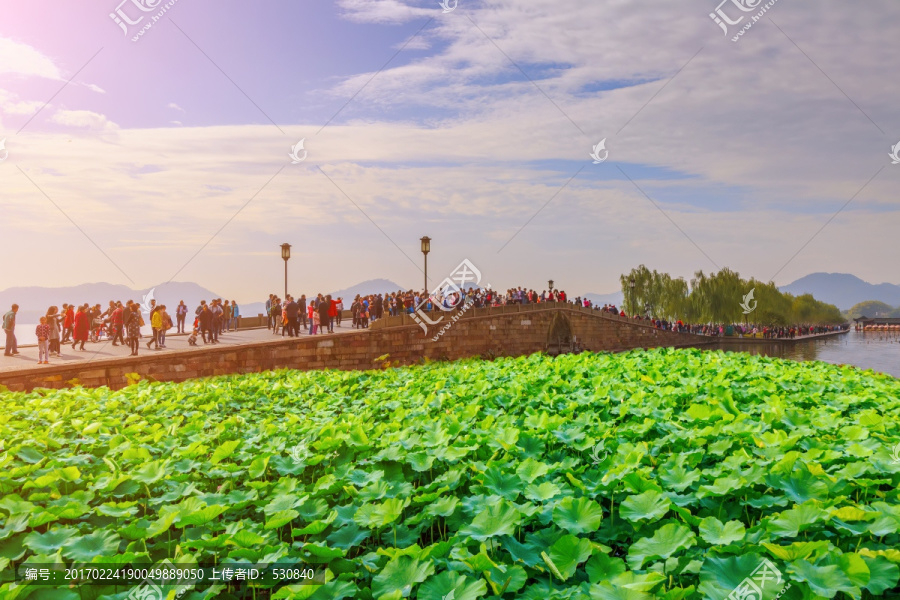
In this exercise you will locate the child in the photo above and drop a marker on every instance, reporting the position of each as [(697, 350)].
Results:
[(192, 340), (315, 322), (42, 332)]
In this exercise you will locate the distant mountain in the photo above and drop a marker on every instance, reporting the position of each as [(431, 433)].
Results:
[(616, 298), (372, 286), (843, 290), (34, 301)]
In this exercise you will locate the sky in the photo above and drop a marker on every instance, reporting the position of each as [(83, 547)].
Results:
[(141, 159)]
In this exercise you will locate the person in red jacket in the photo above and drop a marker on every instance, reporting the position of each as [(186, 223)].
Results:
[(332, 313), (68, 322), (82, 327)]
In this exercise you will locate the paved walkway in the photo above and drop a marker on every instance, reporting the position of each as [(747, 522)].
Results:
[(28, 355)]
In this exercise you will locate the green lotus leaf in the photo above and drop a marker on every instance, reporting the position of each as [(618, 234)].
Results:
[(627, 586), (826, 581), (400, 575), (542, 492), (442, 507), (800, 518), (678, 478), (29, 455), (713, 531), (98, 543), (602, 567), (450, 585), (258, 466), (566, 554), (796, 550), (150, 472), (649, 506), (505, 485), (50, 542), (348, 537), (498, 519), (280, 518), (666, 541), (578, 515), (719, 577), (801, 486), (883, 574), (530, 469), (223, 451), (335, 590)]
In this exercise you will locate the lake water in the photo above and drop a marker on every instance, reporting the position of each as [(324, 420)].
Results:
[(879, 351)]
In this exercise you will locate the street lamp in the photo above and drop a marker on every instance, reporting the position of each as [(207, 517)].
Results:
[(426, 248), (286, 255), (550, 285), (631, 285)]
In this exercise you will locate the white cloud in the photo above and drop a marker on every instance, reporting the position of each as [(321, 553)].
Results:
[(10, 104), (174, 106), (21, 59), (83, 119), (383, 11)]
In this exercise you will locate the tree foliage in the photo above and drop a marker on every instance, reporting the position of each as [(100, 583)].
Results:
[(721, 297)]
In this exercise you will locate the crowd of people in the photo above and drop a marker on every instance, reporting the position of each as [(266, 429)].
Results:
[(121, 323)]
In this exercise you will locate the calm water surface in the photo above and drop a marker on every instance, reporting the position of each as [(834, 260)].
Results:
[(879, 351)]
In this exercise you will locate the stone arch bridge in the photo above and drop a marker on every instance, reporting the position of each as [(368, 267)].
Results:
[(513, 330)]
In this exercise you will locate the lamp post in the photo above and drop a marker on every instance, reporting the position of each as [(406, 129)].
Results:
[(631, 285), (286, 255), (426, 248), (550, 285)]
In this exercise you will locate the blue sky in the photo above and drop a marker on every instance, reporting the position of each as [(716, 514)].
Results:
[(160, 156)]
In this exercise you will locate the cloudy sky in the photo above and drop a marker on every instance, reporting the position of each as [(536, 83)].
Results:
[(139, 162)]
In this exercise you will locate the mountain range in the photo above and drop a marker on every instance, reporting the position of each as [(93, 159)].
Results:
[(843, 290)]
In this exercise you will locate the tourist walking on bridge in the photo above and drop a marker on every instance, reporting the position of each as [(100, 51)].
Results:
[(53, 322), (68, 322), (133, 327), (82, 327), (117, 324), (180, 315), (42, 333), (9, 327), (235, 315)]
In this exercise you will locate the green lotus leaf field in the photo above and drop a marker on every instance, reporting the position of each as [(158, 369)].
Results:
[(651, 474)]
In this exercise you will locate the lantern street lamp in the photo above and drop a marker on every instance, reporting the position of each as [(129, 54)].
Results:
[(631, 285), (426, 248), (550, 285), (286, 255)]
